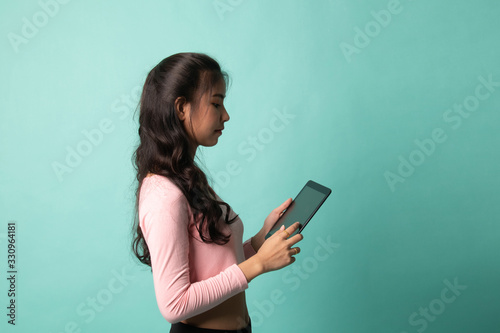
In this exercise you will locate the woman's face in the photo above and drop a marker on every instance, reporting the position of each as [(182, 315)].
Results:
[(208, 121)]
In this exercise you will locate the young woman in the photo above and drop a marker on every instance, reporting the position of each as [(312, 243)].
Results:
[(189, 236)]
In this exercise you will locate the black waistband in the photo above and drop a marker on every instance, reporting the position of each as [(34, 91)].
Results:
[(185, 328)]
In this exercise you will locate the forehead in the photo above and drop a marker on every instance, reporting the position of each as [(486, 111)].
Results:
[(219, 89)]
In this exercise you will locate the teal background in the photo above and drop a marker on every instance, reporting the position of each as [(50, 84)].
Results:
[(351, 120)]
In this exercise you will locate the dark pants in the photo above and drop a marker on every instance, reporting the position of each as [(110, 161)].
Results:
[(184, 328)]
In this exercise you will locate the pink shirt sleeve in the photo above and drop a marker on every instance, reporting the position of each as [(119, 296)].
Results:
[(164, 222)]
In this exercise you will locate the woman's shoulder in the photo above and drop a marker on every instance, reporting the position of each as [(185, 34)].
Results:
[(160, 201), (158, 185)]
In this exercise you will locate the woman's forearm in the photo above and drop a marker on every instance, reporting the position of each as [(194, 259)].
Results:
[(257, 241), (252, 268)]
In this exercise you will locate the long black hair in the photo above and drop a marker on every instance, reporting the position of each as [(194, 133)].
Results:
[(164, 143)]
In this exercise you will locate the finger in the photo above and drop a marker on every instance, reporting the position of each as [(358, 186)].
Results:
[(291, 229), (295, 250), (284, 232), (295, 239), (279, 232), (280, 209)]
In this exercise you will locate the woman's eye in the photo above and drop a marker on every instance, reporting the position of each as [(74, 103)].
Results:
[(216, 105)]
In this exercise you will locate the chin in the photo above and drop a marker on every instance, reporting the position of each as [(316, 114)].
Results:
[(211, 144)]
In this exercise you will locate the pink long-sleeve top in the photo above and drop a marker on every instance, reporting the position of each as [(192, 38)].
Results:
[(189, 276)]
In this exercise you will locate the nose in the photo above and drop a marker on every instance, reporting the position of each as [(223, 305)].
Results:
[(225, 115)]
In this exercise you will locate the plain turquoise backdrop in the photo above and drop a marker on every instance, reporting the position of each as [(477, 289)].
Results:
[(395, 105)]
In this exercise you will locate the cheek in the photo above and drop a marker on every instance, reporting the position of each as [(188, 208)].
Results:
[(208, 131)]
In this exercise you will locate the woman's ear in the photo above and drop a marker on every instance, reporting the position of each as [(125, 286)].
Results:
[(181, 108)]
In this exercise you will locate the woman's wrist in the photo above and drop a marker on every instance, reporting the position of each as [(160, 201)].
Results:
[(252, 267)]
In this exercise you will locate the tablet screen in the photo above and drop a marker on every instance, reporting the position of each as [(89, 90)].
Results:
[(301, 209)]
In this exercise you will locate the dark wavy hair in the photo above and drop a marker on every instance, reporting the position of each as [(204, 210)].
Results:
[(164, 143)]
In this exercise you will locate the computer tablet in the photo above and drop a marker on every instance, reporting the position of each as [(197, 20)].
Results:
[(303, 207)]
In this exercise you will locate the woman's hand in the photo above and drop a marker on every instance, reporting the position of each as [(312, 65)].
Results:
[(277, 251), (269, 222)]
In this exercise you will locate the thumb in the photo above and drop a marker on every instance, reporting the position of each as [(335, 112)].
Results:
[(284, 205), (287, 202)]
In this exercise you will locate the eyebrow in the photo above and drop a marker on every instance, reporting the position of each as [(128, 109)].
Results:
[(219, 95)]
